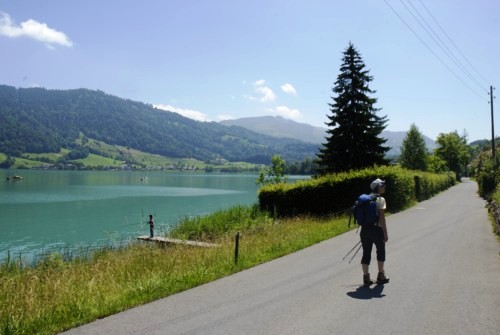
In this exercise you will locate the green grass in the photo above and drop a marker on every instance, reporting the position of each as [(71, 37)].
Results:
[(24, 163), (139, 157), (50, 156), (56, 295), (115, 156), (93, 160)]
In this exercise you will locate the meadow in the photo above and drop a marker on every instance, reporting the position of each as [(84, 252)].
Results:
[(58, 294)]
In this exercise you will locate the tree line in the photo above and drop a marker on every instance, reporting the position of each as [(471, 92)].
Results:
[(354, 139), (36, 120)]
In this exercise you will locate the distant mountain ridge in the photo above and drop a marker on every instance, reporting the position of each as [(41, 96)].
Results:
[(284, 128), (278, 126), (37, 120)]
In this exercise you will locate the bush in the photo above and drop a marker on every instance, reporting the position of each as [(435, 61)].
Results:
[(488, 177), (494, 207), (487, 174), (428, 184), (335, 193)]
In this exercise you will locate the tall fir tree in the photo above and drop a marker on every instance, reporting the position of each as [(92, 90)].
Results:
[(413, 151), (353, 141)]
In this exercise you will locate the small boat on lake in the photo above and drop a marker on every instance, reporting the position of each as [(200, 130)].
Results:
[(15, 178)]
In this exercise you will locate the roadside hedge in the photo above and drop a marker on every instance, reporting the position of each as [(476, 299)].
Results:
[(494, 208), (335, 193)]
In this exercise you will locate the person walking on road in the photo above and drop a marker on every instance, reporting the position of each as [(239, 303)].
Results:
[(375, 234), (151, 226)]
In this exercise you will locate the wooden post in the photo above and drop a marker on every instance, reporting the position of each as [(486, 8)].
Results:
[(236, 247)]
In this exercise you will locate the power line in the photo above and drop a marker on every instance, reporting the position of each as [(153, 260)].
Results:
[(432, 51), (435, 37), (447, 53), (454, 45)]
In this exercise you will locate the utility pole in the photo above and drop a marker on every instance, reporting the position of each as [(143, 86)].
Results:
[(492, 124)]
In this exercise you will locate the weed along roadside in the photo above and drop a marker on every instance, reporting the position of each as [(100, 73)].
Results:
[(56, 295)]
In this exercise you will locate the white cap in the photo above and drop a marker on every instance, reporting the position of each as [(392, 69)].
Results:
[(376, 184)]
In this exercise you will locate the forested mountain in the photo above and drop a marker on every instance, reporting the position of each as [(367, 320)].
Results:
[(280, 127), (38, 120)]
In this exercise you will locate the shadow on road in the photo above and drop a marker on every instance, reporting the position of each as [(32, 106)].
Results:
[(365, 293)]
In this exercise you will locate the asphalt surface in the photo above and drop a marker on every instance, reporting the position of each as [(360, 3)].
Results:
[(442, 259)]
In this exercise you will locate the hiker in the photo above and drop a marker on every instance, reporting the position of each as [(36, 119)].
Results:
[(151, 226), (375, 234)]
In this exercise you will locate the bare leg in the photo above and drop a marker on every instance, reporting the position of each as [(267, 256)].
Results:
[(380, 266)]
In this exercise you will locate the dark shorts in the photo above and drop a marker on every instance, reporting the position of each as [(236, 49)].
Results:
[(369, 236)]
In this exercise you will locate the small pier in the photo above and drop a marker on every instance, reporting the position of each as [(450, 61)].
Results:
[(167, 240)]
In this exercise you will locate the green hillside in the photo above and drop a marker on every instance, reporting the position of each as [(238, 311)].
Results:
[(41, 121)]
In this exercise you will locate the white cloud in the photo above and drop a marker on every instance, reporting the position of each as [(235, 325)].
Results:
[(265, 93), (189, 113), (260, 82), (288, 89), (286, 112), (33, 29)]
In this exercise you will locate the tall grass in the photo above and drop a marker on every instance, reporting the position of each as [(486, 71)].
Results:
[(56, 294), (221, 222)]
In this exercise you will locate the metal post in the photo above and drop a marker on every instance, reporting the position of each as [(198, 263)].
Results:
[(236, 248), (492, 124)]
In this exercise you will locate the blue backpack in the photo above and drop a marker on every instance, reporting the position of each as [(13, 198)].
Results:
[(365, 210)]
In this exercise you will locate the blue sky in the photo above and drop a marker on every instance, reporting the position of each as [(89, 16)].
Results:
[(215, 59)]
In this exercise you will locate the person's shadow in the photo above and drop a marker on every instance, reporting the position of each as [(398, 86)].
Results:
[(366, 292)]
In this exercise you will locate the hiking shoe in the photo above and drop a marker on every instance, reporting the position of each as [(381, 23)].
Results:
[(382, 278), (367, 281)]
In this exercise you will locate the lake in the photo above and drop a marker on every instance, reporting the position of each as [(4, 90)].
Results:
[(54, 210)]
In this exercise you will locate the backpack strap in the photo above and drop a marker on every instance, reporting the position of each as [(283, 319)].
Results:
[(375, 196)]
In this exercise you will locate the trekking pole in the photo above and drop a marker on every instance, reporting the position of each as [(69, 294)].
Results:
[(351, 250), (355, 254)]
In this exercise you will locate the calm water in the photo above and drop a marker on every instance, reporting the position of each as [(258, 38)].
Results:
[(65, 209)]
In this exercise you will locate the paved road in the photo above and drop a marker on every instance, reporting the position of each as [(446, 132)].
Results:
[(443, 260)]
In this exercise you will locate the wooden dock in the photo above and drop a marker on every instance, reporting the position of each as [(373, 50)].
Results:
[(167, 240)]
